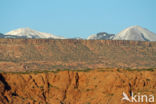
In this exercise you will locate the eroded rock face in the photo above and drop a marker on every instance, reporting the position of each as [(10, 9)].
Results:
[(74, 87)]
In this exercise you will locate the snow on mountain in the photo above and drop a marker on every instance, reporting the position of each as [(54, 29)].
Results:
[(135, 33), (130, 33), (29, 33), (102, 36)]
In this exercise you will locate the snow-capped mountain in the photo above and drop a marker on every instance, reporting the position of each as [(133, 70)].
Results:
[(135, 33), (102, 36), (29, 33), (131, 33)]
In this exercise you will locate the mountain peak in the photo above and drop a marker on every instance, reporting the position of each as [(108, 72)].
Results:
[(30, 33), (21, 31), (136, 33), (135, 27)]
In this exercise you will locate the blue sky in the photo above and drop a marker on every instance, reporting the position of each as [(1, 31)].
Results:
[(77, 18)]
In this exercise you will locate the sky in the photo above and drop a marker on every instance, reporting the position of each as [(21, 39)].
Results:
[(77, 18)]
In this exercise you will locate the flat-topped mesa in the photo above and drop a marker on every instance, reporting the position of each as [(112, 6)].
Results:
[(75, 41), (40, 54)]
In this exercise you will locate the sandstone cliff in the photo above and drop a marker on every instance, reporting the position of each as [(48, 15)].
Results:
[(75, 87)]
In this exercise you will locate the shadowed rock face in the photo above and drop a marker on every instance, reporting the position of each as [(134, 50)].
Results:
[(46, 54), (101, 36), (103, 86)]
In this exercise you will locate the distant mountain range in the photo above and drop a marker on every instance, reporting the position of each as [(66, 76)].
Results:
[(131, 33)]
